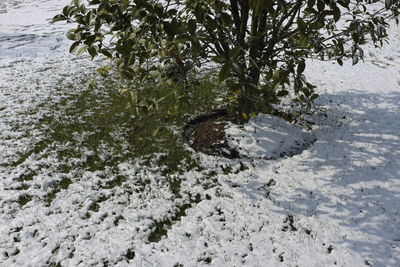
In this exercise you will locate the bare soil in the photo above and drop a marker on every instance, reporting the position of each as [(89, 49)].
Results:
[(207, 134)]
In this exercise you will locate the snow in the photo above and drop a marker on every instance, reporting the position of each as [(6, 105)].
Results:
[(268, 137), (336, 203)]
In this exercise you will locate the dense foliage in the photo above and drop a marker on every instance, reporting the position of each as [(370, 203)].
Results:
[(259, 47)]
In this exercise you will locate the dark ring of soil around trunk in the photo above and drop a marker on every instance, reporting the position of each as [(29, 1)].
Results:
[(206, 133)]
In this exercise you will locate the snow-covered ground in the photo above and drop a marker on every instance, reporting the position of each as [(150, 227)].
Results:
[(335, 204)]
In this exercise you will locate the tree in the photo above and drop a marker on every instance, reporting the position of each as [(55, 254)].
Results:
[(259, 46)]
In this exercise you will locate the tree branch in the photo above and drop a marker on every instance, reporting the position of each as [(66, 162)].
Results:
[(235, 15), (244, 14)]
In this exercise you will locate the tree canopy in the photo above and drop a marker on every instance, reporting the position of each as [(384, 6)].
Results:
[(259, 47)]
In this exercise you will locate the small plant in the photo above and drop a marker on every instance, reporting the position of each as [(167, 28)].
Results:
[(259, 47)]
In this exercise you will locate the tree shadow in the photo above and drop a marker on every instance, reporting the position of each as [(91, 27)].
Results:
[(351, 176)]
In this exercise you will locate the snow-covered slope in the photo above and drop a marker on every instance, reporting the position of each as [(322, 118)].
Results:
[(335, 204)]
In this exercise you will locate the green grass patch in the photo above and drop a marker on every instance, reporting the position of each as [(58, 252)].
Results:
[(106, 123), (95, 129), (37, 148), (24, 199), (161, 227), (95, 207), (24, 187), (62, 185), (117, 181)]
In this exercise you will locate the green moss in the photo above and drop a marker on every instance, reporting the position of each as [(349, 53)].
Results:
[(63, 184), (27, 176), (24, 199), (95, 207), (174, 185), (37, 148), (117, 181), (24, 187), (161, 227), (118, 219), (130, 254)]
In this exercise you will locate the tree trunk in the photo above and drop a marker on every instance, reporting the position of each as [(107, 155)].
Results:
[(246, 104)]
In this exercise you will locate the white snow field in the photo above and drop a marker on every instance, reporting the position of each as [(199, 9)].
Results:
[(335, 204)]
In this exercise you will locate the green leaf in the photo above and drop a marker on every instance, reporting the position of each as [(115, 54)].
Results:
[(237, 68), (211, 23), (71, 36), (388, 4), (355, 59), (340, 61), (58, 18), (310, 3), (301, 24), (306, 91), (90, 40), (301, 67), (344, 3), (81, 50), (220, 59), (66, 11), (92, 51), (106, 53), (225, 71), (234, 52), (320, 5), (314, 96), (336, 13), (74, 46), (89, 17), (227, 19), (76, 3), (303, 41), (171, 28), (192, 25), (175, 26), (282, 93)]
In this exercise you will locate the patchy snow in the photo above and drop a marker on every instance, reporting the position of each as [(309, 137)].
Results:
[(268, 137), (334, 204), (26, 30)]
